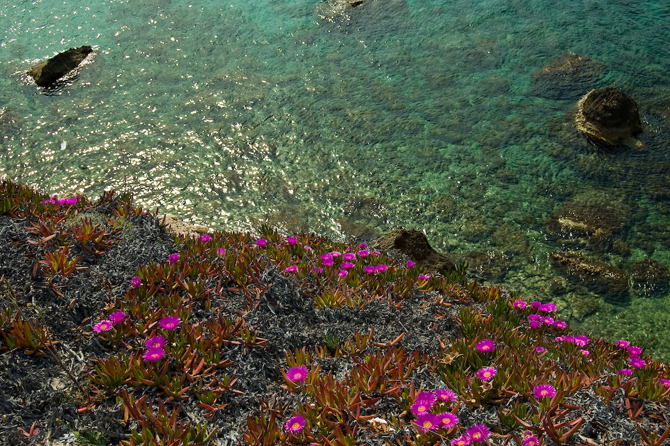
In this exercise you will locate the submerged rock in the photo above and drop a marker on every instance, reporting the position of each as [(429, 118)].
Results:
[(586, 225), (650, 277), (487, 266), (568, 76), (596, 276), (608, 117), (414, 244), (49, 71)]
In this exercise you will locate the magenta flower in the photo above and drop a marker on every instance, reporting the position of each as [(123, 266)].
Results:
[(410, 264), (135, 282), (342, 273), (665, 383), (547, 320), (585, 352), (421, 406), (349, 256), (261, 242), (486, 345), (445, 395), (540, 349), (521, 304), (370, 269), (155, 342), (376, 253), (561, 325), (625, 372), (297, 374), (426, 396), (117, 317), (103, 325), (637, 363), (534, 324), (291, 240), (634, 351), (169, 322), (487, 373), (307, 248), (291, 269), (363, 245), (424, 276), (173, 258), (536, 304), (295, 424), (560, 338), (531, 441), (426, 422), (478, 433), (326, 256), (534, 317), (363, 253), (335, 254), (382, 268), (153, 354), (328, 262), (447, 420), (220, 251), (622, 344), (205, 237), (317, 270), (547, 308), (463, 440), (581, 340), (544, 391), (347, 265)]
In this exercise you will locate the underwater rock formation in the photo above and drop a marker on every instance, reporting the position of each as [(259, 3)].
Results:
[(414, 244), (487, 266), (607, 117), (568, 76), (49, 71), (596, 276), (649, 277)]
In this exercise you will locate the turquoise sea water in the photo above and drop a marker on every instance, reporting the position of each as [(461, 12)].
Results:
[(352, 121)]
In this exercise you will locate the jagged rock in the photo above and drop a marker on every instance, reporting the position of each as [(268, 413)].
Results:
[(414, 244), (650, 277), (566, 77), (608, 117), (596, 276), (49, 71), (178, 227)]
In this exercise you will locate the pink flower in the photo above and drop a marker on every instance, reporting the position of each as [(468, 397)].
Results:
[(547, 308), (220, 251), (370, 269), (540, 349), (478, 433), (335, 254), (585, 352), (421, 406), (173, 258), (665, 383), (205, 238), (463, 440), (349, 256), (363, 253), (547, 320), (155, 342), (535, 324), (291, 269), (561, 325), (103, 325), (295, 424), (135, 282), (426, 396), (521, 304), (153, 354), (560, 338), (291, 240), (534, 317), (637, 363), (317, 270), (447, 420), (426, 422), (531, 441), (347, 265), (169, 322), (622, 344), (117, 317), (486, 345), (381, 268), (625, 372), (544, 391), (326, 256), (307, 248), (375, 253), (445, 395), (634, 351), (342, 273), (298, 373), (363, 245), (424, 276), (487, 373), (261, 242), (410, 264), (536, 304), (328, 262)]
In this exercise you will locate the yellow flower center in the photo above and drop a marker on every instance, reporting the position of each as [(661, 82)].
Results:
[(427, 424), (295, 425), (476, 436), (297, 376), (544, 392)]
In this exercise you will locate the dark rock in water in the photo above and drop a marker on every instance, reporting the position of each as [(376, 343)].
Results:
[(597, 276), (47, 72), (568, 76), (650, 277), (414, 244), (369, 17), (607, 117)]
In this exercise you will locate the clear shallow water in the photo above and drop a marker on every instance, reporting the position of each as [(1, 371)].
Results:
[(415, 113)]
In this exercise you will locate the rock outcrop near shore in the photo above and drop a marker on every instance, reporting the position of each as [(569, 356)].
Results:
[(49, 71), (414, 244), (608, 117)]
